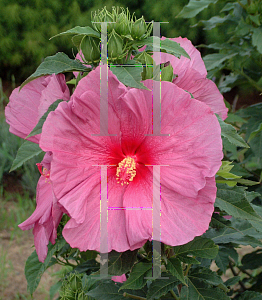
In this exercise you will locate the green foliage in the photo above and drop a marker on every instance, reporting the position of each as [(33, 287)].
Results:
[(24, 153), (240, 52)]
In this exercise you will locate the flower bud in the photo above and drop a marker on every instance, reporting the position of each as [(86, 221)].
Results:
[(122, 26), (108, 17), (148, 63), (138, 29), (167, 72), (90, 49), (115, 45)]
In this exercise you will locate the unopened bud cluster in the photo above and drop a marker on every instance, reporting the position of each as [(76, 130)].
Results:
[(123, 32)]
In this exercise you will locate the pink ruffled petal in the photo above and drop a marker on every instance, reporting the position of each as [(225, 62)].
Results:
[(30, 103), (204, 90), (183, 218), (180, 65)]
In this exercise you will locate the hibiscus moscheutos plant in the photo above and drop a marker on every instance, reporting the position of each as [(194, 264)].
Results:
[(121, 176)]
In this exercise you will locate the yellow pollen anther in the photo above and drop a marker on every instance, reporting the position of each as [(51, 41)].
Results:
[(126, 170)]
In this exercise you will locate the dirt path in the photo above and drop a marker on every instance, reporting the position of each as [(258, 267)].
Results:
[(13, 255)]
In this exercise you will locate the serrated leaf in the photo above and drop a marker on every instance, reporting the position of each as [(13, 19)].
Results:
[(248, 295), (87, 266), (197, 291), (34, 269), (80, 30), (194, 7), (55, 64), (201, 247), (25, 152), (232, 281), (107, 290), (168, 45), (160, 287), (130, 76), (120, 263), (188, 259), (206, 275), (39, 125), (175, 268), (223, 257), (54, 289), (230, 133), (137, 276), (234, 202), (242, 233), (215, 60), (257, 39), (252, 260)]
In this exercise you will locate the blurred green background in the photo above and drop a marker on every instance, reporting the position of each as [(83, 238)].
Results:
[(26, 26)]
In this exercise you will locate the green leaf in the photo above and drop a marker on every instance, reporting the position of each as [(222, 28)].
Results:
[(24, 153), (252, 260), (120, 263), (248, 295), (258, 210), (234, 202), (206, 275), (79, 30), (39, 125), (215, 60), (130, 76), (242, 233), (257, 39), (232, 281), (137, 276), (223, 257), (168, 45), (107, 290), (194, 7), (188, 259), (34, 269), (213, 22), (198, 291), (201, 247), (230, 133), (175, 268), (160, 287), (54, 289), (55, 64)]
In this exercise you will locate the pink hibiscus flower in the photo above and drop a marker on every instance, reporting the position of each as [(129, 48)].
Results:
[(190, 157), (47, 215), (191, 77), (28, 105)]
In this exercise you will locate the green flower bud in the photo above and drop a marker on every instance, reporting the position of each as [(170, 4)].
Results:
[(148, 63), (108, 17), (139, 28), (90, 49), (123, 26), (75, 282), (167, 72), (115, 45)]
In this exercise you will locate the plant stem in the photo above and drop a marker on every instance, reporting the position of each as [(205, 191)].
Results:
[(235, 274), (252, 82), (174, 295), (133, 296), (187, 269)]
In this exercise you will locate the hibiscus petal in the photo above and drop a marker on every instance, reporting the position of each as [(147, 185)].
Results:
[(180, 65), (183, 218), (30, 103), (204, 90)]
